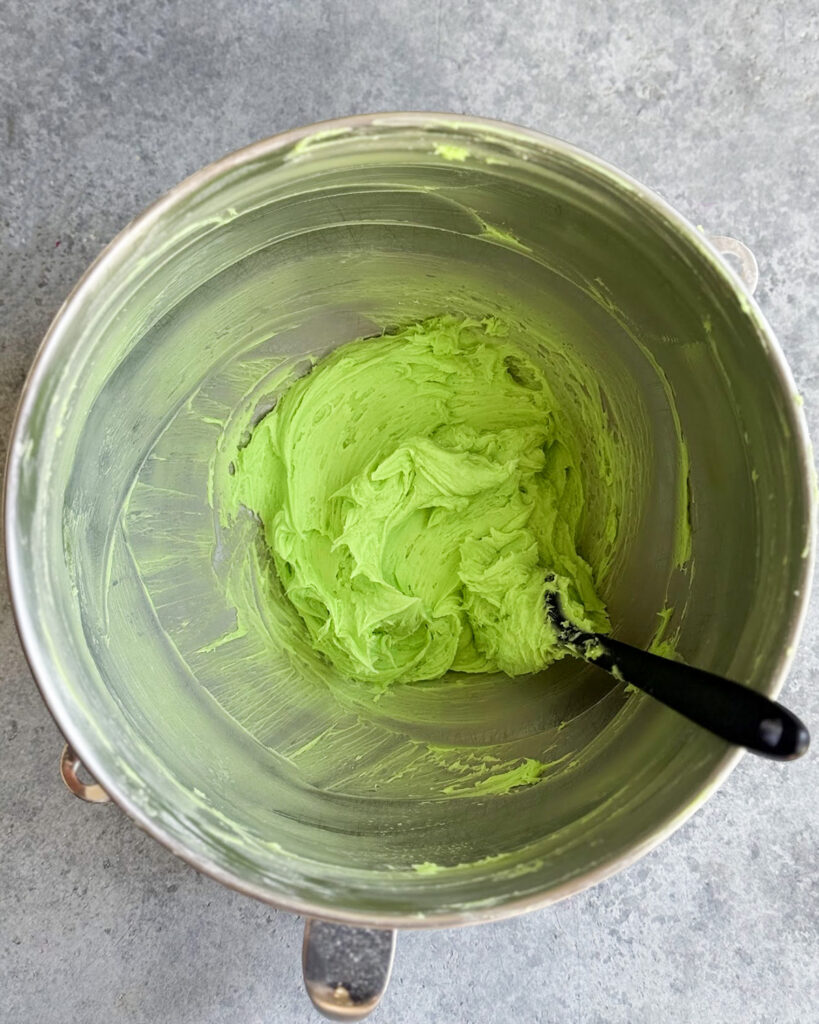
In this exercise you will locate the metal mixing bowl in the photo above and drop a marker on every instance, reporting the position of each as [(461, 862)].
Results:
[(290, 247)]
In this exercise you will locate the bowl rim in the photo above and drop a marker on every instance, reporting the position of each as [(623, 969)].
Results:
[(48, 351)]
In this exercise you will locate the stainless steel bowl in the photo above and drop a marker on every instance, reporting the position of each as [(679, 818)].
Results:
[(116, 557)]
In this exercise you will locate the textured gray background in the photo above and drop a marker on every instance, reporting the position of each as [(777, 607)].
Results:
[(104, 105)]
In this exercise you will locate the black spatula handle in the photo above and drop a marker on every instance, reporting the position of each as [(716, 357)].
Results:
[(730, 710)]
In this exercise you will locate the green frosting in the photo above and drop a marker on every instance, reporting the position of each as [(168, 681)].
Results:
[(414, 490)]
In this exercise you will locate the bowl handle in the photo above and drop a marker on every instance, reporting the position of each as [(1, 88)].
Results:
[(744, 262), (70, 766), (346, 970)]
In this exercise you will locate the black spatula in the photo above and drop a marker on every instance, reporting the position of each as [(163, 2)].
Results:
[(729, 710)]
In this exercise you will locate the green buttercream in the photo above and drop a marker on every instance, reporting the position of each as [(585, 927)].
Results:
[(414, 491), (449, 151), (524, 774)]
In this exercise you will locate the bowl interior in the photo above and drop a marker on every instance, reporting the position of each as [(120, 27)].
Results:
[(127, 574)]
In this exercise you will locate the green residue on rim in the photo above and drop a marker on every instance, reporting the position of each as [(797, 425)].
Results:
[(664, 643), (428, 867), (529, 771), (225, 638), (316, 139), (682, 539), (505, 238), (496, 860), (449, 151)]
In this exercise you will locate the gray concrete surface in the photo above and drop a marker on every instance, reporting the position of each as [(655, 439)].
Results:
[(103, 106)]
